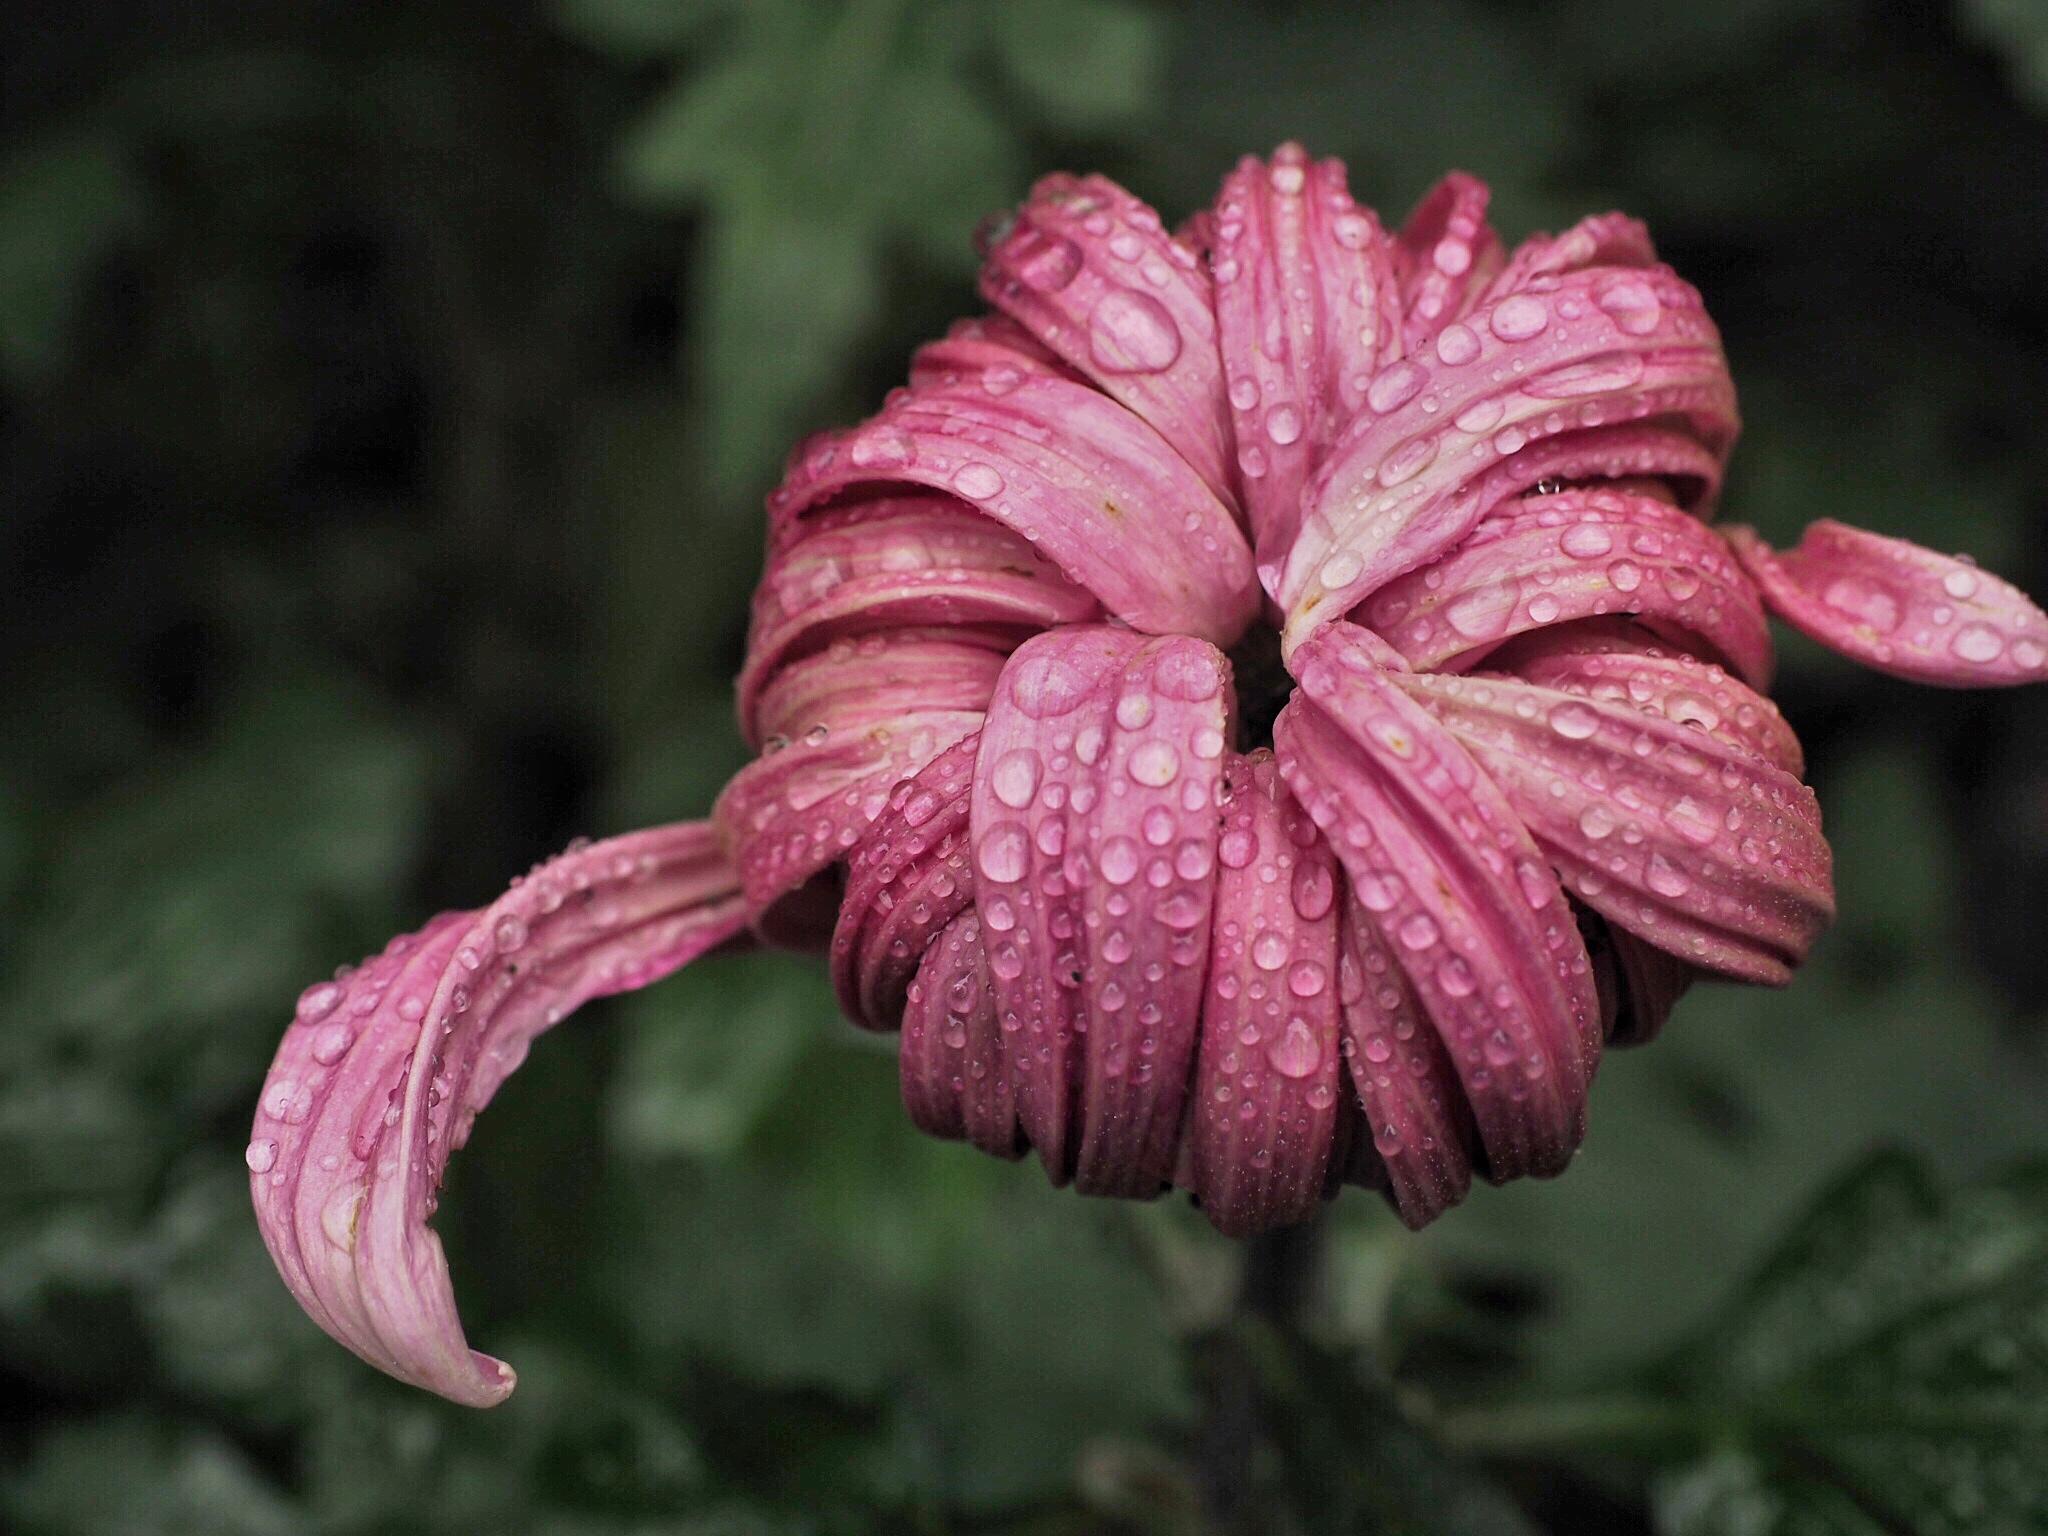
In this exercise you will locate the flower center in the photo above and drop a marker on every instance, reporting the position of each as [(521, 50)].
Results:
[(1263, 685)]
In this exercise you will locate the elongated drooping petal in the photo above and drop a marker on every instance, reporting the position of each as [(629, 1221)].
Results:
[(1462, 896), (1690, 842), (1090, 272), (1270, 1071), (1901, 609), (1094, 828), (384, 1070), (1308, 311)]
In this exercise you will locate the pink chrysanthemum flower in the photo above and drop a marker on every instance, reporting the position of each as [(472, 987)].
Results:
[(1261, 710)]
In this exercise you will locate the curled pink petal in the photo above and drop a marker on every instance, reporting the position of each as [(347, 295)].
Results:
[(993, 351), (384, 1070), (1601, 240), (1546, 560), (1101, 494), (1308, 310), (895, 563), (1649, 983), (1899, 608), (1420, 1128), (1094, 833), (1269, 1072), (843, 727), (1463, 898), (907, 879), (1620, 662), (1692, 844), (1402, 484), (1446, 255), (954, 1064), (1091, 273)]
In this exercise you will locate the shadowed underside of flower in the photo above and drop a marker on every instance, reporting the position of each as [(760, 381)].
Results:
[(1010, 668)]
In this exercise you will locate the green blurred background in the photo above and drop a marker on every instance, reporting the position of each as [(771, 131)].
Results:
[(386, 398)]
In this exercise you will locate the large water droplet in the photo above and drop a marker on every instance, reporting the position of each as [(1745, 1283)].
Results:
[(1131, 332), (1520, 317), (1014, 779), (1004, 852), (1295, 1054), (978, 482), (261, 1156)]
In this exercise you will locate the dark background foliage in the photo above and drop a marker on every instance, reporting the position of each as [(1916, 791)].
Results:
[(386, 396)]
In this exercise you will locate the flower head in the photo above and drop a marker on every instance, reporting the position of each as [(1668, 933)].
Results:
[(1262, 709)]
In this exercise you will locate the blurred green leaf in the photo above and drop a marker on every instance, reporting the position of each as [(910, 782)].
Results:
[(706, 1053), (641, 29), (64, 205), (1087, 63), (1892, 1360), (2019, 30), (142, 1477)]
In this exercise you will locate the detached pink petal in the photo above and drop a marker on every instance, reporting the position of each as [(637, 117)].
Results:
[(1670, 832), (1461, 895), (1269, 1077), (1308, 309), (1094, 828), (1090, 272), (384, 1070), (1545, 560), (1406, 480), (1101, 494), (1901, 609)]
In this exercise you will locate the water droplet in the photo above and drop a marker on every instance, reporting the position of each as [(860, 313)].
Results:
[(1269, 950), (1045, 686), (261, 1156), (882, 448), (1520, 317), (1154, 764), (1237, 848), (1483, 612), (1014, 779), (1131, 332), (1868, 602), (978, 482), (332, 1043), (510, 932), (1586, 541), (1340, 570), (1978, 643), (1004, 853), (1118, 860), (1574, 721), (1305, 978), (1046, 262), (1395, 387), (1631, 304), (317, 1001), (1133, 710), (1418, 931), (1456, 345), (1295, 1054), (1283, 424), (1666, 878)]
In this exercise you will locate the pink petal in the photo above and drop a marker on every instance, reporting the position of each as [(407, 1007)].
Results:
[(894, 563), (1421, 1131), (1692, 844), (1102, 495), (1546, 560), (1437, 854), (993, 351), (909, 877), (1408, 480), (1089, 271), (1094, 833), (1308, 311), (1601, 240), (1268, 1074), (1446, 254), (1619, 661), (384, 1070), (843, 727), (1901, 609), (954, 1060)]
